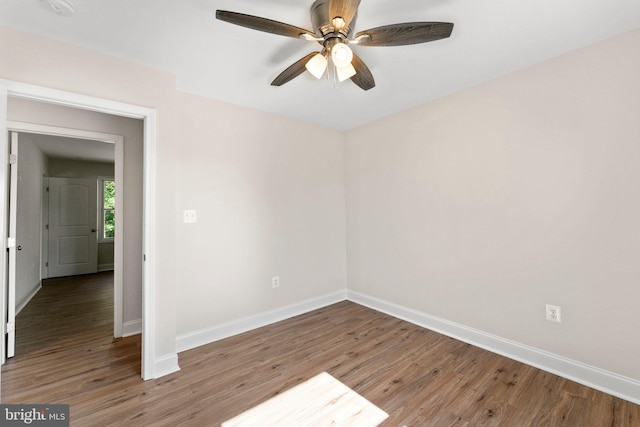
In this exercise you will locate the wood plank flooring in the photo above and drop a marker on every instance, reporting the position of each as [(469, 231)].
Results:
[(65, 354)]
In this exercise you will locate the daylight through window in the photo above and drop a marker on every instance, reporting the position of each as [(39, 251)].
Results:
[(108, 208)]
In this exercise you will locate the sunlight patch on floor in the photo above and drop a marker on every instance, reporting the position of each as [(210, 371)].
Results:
[(320, 401)]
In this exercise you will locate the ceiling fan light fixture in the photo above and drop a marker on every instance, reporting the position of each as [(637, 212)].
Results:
[(333, 23), (317, 65), (338, 23), (341, 55), (345, 72), (59, 7)]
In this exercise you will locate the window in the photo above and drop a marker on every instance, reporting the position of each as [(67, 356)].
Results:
[(108, 209)]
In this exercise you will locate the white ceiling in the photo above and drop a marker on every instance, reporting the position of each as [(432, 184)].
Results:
[(74, 148), (213, 58)]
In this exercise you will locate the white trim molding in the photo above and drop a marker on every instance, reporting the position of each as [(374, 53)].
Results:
[(73, 100), (165, 365), (206, 336), (132, 327), (149, 248), (599, 379), (101, 181), (101, 105)]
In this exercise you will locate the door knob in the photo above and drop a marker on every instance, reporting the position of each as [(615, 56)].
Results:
[(19, 247), (93, 230)]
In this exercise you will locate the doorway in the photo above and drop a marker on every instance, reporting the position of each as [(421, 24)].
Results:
[(42, 150), (45, 95)]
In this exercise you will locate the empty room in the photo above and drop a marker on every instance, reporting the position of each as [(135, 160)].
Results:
[(333, 212)]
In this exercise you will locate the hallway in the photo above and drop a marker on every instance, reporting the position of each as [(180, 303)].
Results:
[(65, 344)]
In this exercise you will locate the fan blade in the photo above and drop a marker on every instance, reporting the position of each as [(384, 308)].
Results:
[(346, 9), (262, 24), (363, 78), (293, 71), (404, 34)]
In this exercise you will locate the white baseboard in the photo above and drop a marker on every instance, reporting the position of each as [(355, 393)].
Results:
[(165, 365), (209, 335), (133, 327), (25, 301), (599, 379), (105, 267)]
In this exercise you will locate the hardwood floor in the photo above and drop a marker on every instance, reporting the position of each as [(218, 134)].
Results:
[(420, 378)]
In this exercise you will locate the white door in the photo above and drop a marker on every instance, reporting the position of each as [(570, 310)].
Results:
[(12, 245), (73, 237)]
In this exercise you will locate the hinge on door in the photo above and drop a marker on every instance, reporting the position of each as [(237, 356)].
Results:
[(11, 327), (46, 226), (46, 264), (13, 159), (47, 189), (11, 242)]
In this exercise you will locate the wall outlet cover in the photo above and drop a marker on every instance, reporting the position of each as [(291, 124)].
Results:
[(190, 216), (553, 313)]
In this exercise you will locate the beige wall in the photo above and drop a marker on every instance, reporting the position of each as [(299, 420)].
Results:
[(269, 191), (270, 198), (482, 207), (478, 208), (32, 166), (106, 262), (39, 61)]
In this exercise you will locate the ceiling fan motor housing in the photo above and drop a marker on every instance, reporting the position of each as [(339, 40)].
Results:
[(322, 22)]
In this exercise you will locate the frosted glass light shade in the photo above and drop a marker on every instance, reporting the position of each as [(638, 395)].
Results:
[(59, 7), (341, 55), (316, 65), (345, 72)]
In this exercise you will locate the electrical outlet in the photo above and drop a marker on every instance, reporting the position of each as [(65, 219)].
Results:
[(275, 282), (553, 313), (190, 216)]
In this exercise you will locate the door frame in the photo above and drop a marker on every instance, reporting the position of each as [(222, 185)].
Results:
[(118, 244), (12, 260), (100, 105)]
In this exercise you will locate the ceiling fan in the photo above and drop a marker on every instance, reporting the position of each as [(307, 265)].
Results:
[(333, 23)]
